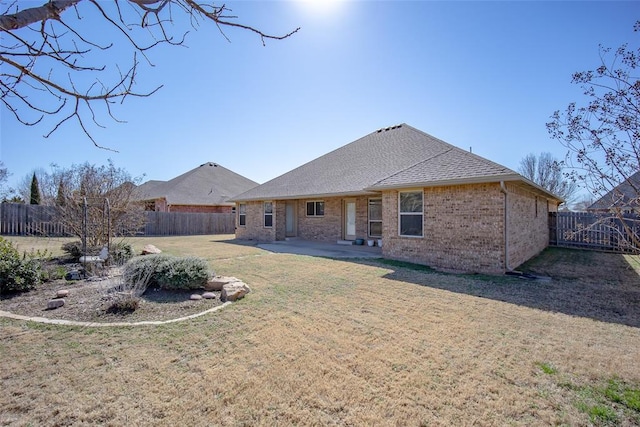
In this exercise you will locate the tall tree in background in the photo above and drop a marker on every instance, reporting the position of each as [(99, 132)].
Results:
[(603, 134), (35, 191), (546, 171), (60, 199), (55, 65)]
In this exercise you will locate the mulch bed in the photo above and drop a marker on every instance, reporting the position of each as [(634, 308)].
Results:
[(89, 300)]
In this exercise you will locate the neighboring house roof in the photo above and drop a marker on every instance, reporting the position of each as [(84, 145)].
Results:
[(207, 185), (394, 157), (625, 194)]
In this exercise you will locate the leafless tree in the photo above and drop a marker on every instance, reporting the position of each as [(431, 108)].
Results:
[(603, 135), (53, 55), (108, 194), (546, 171)]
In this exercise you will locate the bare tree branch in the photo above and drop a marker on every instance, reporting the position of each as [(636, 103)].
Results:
[(47, 55), (602, 136)]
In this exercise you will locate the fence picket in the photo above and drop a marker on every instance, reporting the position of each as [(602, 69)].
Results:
[(599, 231), (18, 219)]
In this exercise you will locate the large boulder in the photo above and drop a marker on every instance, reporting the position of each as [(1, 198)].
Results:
[(150, 249), (234, 291), (216, 283)]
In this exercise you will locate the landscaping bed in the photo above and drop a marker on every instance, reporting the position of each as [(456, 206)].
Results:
[(89, 300)]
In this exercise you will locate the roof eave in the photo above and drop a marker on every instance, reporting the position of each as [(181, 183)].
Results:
[(464, 181), (365, 192)]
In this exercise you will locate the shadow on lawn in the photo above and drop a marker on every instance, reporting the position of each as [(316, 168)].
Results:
[(596, 285)]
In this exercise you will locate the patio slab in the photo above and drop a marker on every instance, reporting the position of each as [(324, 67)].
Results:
[(321, 249)]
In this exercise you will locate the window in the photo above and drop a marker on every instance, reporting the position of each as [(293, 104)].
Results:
[(375, 217), (242, 214), (268, 214), (410, 213), (315, 208)]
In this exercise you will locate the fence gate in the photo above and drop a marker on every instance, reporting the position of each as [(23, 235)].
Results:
[(600, 231)]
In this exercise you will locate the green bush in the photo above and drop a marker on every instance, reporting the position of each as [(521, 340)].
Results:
[(74, 249), (17, 273), (52, 272), (168, 272), (120, 253)]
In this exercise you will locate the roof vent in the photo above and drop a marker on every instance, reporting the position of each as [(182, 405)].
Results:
[(389, 128)]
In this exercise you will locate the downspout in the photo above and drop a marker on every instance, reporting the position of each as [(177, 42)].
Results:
[(503, 189)]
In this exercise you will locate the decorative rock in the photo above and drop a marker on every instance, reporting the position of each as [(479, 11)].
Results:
[(62, 293), (216, 283), (55, 303), (234, 291), (73, 275), (208, 295), (195, 297), (150, 249)]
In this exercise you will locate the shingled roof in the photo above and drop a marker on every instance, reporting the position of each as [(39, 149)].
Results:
[(394, 157), (624, 195), (207, 185)]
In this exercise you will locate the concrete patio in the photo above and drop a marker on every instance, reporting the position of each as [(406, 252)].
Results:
[(322, 249)]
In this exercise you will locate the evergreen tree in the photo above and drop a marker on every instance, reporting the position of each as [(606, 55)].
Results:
[(60, 198), (35, 191)]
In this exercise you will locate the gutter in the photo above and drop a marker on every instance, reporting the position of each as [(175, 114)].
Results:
[(503, 189)]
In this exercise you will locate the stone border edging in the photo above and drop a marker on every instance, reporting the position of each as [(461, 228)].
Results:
[(114, 324)]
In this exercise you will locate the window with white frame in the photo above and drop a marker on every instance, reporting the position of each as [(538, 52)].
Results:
[(375, 217), (315, 208), (410, 208), (242, 214), (268, 214)]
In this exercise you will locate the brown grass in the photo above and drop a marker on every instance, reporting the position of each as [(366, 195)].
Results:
[(329, 342)]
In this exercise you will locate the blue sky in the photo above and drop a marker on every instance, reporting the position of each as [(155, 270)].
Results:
[(485, 75)]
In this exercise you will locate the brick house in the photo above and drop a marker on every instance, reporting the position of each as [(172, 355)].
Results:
[(206, 188), (427, 201)]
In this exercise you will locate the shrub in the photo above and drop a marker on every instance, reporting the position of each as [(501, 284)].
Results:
[(168, 272), (183, 273), (17, 273), (53, 272), (120, 253), (74, 249), (126, 305)]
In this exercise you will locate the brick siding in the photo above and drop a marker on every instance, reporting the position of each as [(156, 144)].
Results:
[(254, 228), (463, 226), (326, 228), (528, 227)]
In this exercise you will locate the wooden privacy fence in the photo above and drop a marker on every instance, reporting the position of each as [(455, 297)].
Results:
[(599, 231), (18, 219), (184, 223)]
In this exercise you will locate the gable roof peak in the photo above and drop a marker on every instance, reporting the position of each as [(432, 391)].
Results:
[(387, 129)]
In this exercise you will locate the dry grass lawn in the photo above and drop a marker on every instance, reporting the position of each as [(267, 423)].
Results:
[(337, 342)]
